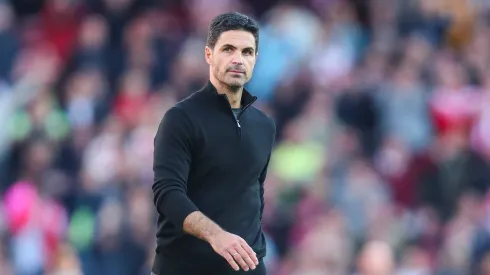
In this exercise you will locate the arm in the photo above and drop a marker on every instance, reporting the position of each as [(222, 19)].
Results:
[(171, 166), (232, 247), (172, 160), (263, 174), (200, 226)]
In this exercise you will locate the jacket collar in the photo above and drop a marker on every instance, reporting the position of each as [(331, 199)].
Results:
[(247, 97)]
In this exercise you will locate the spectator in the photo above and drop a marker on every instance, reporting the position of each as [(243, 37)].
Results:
[(382, 118)]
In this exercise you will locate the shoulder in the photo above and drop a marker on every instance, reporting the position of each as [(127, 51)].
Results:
[(182, 115), (264, 118), (176, 118), (183, 108), (176, 112), (189, 102), (175, 124)]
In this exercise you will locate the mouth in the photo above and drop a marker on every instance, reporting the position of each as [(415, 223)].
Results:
[(236, 72)]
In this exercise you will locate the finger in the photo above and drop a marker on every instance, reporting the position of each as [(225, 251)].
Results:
[(250, 252), (231, 261), (239, 259), (245, 257)]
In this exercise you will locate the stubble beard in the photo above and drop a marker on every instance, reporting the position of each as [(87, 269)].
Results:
[(233, 85)]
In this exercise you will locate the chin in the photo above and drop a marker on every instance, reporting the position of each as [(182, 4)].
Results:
[(234, 84)]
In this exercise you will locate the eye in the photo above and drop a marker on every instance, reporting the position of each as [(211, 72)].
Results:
[(248, 52), (227, 50)]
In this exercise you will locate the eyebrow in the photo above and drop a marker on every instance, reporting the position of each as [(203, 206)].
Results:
[(231, 46)]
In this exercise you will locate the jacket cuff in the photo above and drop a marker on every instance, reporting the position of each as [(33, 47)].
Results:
[(177, 206)]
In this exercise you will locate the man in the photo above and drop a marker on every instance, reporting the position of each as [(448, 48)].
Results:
[(211, 155)]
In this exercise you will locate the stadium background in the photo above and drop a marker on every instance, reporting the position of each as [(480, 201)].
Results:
[(381, 164)]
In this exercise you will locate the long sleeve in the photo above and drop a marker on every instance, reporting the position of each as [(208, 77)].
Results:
[(263, 174), (171, 165)]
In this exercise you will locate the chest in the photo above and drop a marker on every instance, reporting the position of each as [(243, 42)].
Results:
[(226, 142)]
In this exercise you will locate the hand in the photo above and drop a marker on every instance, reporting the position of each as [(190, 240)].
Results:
[(235, 250)]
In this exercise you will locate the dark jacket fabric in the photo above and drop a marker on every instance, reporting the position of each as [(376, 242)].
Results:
[(207, 159)]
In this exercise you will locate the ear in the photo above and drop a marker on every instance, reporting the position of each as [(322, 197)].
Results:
[(208, 53)]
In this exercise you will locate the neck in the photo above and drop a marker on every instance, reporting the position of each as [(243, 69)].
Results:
[(234, 96)]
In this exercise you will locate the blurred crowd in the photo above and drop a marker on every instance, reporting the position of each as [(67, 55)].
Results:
[(382, 107)]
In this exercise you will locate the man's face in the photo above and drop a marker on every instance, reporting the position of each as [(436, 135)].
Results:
[(233, 58)]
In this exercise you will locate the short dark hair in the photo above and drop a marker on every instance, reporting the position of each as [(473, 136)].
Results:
[(232, 21)]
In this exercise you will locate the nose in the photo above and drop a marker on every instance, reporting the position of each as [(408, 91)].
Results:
[(237, 58)]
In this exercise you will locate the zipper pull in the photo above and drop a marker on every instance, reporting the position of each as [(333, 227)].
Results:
[(239, 129)]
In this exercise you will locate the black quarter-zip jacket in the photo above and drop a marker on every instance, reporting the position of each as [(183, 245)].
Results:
[(207, 159)]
